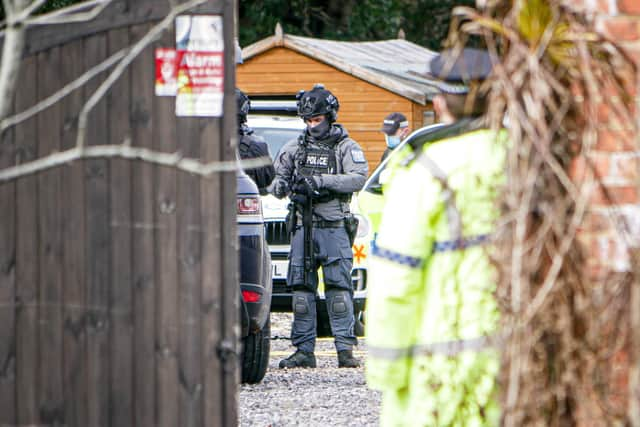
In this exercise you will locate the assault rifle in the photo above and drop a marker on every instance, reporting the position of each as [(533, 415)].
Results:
[(307, 224), (303, 204)]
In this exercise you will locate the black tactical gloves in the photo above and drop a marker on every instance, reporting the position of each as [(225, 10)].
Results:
[(280, 188), (306, 185)]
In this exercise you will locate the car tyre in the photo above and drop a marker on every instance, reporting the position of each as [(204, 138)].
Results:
[(255, 354)]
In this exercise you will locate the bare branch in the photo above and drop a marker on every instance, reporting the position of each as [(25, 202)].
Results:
[(70, 14), (559, 257), (14, 38), (27, 11), (135, 50), (8, 7), (126, 151), (66, 90)]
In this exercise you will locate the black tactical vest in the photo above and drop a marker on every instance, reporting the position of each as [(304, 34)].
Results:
[(316, 160)]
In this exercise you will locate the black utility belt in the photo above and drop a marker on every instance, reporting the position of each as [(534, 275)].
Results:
[(321, 223)]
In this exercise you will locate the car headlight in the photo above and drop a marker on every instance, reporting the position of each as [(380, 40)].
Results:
[(363, 226)]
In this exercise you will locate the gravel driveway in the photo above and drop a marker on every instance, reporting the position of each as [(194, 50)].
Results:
[(325, 396)]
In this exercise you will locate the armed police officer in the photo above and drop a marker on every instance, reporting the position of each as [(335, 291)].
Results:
[(320, 171), (252, 146), (430, 307)]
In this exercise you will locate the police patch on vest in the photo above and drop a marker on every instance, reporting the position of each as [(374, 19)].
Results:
[(315, 160), (358, 156)]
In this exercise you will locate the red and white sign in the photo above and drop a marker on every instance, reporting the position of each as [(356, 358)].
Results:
[(200, 83), (200, 65), (166, 72)]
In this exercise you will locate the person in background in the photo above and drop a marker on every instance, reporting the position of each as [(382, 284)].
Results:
[(251, 146), (431, 312), (395, 128)]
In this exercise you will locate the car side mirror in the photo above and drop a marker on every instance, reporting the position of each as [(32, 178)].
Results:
[(375, 188)]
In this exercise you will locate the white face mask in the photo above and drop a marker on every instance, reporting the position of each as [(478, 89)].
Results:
[(392, 141)]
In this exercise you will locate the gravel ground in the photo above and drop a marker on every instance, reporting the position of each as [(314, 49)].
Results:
[(325, 396)]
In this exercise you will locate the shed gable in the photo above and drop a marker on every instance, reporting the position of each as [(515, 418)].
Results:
[(363, 106)]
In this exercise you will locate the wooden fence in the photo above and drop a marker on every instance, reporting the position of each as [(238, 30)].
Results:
[(118, 278)]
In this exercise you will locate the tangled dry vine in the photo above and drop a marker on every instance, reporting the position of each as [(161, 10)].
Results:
[(566, 317)]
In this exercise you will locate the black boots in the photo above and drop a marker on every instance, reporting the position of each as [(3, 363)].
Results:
[(346, 359), (299, 359), (303, 359)]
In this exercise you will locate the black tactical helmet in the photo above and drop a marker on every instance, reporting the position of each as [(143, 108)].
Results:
[(316, 102), (244, 103)]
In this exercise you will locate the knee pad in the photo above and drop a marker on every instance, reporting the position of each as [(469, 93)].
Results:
[(300, 305), (338, 302)]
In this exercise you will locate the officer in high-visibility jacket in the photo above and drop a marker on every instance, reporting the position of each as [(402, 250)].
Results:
[(431, 313)]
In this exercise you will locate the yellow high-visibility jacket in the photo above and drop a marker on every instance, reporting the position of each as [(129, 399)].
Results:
[(430, 302)]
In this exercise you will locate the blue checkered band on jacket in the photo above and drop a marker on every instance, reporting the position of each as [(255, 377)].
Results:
[(415, 262), (465, 242), (411, 261)]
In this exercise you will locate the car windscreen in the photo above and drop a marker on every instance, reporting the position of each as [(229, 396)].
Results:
[(276, 138), (421, 135)]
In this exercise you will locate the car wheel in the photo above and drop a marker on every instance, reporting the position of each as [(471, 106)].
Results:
[(255, 354)]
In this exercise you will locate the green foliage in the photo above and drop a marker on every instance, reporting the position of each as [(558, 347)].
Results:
[(48, 6), (425, 22), (57, 4)]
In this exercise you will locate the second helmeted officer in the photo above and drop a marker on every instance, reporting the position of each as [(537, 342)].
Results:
[(320, 171), (251, 146)]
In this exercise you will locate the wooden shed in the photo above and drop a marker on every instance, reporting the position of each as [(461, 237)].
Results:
[(370, 80)]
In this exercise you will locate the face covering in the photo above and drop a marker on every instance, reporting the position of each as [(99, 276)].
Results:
[(320, 130), (392, 141)]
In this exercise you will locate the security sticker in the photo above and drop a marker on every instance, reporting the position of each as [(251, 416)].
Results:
[(358, 156)]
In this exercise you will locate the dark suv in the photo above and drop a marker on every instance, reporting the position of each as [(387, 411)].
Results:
[(255, 281)]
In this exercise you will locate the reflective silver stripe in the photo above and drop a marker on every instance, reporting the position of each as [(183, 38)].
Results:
[(448, 196), (446, 348)]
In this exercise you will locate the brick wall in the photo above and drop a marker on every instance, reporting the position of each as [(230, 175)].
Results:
[(616, 157), (617, 162)]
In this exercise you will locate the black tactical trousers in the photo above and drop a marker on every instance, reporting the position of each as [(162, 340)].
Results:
[(332, 252)]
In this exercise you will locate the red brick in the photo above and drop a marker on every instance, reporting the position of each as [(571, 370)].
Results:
[(604, 111), (577, 169), (602, 6), (616, 195), (633, 52), (601, 164), (631, 7), (614, 140), (622, 28), (597, 222), (599, 161), (614, 96)]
